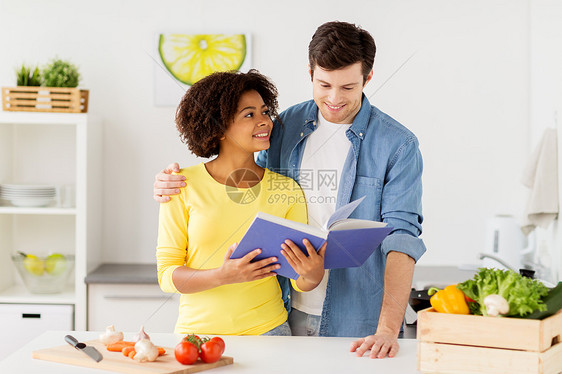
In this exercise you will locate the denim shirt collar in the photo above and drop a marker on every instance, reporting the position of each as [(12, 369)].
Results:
[(309, 124), (361, 120)]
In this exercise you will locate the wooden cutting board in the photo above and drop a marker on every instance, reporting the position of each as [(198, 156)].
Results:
[(116, 362)]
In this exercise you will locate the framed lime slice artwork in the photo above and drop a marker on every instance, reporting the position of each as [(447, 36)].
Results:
[(181, 59), (192, 57)]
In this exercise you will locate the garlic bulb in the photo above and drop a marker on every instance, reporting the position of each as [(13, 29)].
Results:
[(141, 335), (111, 336), (146, 351)]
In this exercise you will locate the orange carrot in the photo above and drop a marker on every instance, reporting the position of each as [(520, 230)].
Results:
[(127, 350), (118, 346)]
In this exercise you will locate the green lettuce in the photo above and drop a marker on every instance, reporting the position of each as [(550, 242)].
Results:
[(524, 295)]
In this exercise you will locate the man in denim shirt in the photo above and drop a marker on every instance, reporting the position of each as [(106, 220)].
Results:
[(371, 155)]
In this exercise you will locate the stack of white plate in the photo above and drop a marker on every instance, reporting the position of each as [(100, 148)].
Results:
[(28, 195)]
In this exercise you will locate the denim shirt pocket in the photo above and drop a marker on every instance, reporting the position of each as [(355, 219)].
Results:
[(371, 188)]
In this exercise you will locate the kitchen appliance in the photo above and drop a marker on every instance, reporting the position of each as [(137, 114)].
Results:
[(505, 244), (419, 299)]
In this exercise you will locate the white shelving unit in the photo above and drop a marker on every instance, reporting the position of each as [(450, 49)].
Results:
[(54, 149)]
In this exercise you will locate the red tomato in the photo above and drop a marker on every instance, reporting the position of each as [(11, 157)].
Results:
[(186, 353), (194, 339), (210, 352), (220, 341)]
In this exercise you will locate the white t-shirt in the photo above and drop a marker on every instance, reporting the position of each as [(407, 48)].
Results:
[(322, 163)]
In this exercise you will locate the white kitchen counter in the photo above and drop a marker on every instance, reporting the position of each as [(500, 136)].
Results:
[(252, 354)]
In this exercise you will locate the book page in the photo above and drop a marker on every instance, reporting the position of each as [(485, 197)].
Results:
[(343, 212), (352, 223), (307, 229)]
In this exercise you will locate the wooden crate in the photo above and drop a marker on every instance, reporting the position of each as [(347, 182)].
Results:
[(454, 343), (44, 99)]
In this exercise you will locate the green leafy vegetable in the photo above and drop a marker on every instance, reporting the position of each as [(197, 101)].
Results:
[(553, 303), (523, 294)]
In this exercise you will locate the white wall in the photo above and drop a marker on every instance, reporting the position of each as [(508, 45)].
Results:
[(465, 93), (546, 107)]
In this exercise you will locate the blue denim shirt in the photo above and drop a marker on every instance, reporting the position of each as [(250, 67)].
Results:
[(384, 164)]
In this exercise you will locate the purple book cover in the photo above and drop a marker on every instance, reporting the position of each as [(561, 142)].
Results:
[(350, 242)]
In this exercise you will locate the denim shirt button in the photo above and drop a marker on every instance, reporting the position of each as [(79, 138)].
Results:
[(302, 133), (360, 134)]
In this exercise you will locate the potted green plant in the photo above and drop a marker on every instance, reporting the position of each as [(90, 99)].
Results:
[(57, 92), (27, 76), (60, 73)]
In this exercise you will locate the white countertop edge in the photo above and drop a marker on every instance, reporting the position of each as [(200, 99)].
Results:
[(252, 354)]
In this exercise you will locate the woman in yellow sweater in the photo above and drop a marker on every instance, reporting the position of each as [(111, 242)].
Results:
[(229, 115)]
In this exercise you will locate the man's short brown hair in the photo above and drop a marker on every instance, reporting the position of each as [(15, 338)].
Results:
[(336, 45), (208, 107)]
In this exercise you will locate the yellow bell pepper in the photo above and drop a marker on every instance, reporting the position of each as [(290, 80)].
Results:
[(448, 300)]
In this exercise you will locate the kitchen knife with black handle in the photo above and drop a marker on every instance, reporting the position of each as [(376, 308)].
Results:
[(90, 351)]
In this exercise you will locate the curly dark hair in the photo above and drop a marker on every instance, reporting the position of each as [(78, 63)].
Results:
[(336, 45), (208, 107)]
